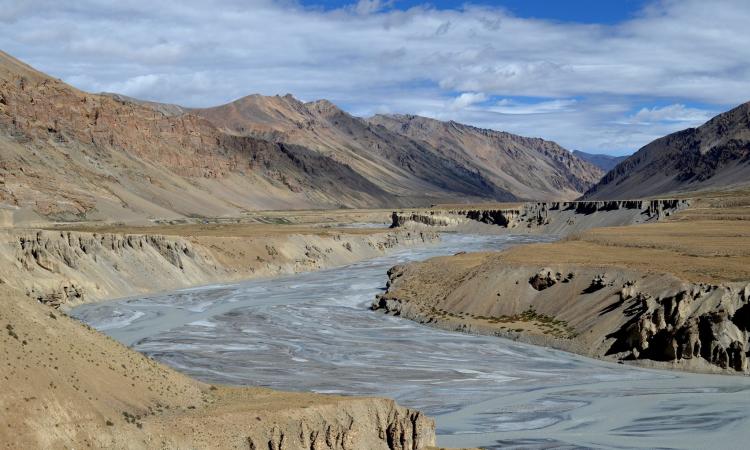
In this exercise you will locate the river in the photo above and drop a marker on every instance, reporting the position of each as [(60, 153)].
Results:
[(315, 332)]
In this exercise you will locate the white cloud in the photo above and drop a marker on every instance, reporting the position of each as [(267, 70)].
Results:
[(671, 113), (369, 56), (467, 99), (508, 106)]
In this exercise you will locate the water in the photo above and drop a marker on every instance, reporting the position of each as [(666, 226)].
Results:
[(314, 332)]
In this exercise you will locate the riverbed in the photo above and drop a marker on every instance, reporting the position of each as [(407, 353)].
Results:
[(315, 332)]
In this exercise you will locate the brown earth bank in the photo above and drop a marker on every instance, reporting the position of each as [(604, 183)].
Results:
[(69, 386), (673, 294), (66, 268)]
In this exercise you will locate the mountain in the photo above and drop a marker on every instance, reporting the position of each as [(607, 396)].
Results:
[(604, 162), (406, 154), (394, 162), (530, 168), (714, 155), (68, 155), (71, 155)]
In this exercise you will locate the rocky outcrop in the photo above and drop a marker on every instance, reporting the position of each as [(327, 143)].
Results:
[(612, 313), (430, 219), (701, 321), (557, 217), (544, 279), (373, 424)]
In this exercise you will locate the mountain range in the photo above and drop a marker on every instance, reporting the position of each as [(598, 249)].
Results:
[(602, 161), (72, 155)]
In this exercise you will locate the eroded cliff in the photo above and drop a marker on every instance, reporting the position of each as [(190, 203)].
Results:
[(68, 267), (610, 313), (545, 217)]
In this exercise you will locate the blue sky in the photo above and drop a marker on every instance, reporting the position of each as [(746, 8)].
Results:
[(582, 11), (600, 76)]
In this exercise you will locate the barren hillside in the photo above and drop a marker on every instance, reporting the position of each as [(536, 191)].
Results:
[(71, 155), (530, 168), (714, 155), (394, 162)]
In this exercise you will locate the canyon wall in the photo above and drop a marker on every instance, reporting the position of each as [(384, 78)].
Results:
[(69, 268), (545, 217)]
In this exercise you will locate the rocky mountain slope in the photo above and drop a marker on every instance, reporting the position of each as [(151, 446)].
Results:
[(71, 155), (714, 155), (604, 162), (397, 164), (530, 168)]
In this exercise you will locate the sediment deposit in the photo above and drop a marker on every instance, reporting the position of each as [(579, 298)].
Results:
[(543, 217), (70, 267)]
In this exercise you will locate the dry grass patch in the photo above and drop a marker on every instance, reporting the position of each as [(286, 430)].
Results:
[(709, 242)]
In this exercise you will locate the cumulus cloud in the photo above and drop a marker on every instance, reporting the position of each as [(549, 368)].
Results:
[(370, 56), (467, 99)]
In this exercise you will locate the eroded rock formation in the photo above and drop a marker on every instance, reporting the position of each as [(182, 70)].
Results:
[(702, 321), (612, 313), (557, 217), (60, 268)]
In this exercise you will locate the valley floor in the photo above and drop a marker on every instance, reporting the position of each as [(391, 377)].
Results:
[(671, 292)]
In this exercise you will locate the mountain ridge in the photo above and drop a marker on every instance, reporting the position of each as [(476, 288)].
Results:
[(520, 164), (713, 155), (72, 155), (600, 160)]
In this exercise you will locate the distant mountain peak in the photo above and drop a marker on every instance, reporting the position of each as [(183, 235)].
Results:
[(602, 161)]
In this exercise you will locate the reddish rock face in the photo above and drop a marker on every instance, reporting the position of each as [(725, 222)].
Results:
[(66, 151)]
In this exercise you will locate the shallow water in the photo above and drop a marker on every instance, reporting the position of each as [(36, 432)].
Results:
[(314, 332)]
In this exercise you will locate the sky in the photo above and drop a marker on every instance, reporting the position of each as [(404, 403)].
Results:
[(598, 76)]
